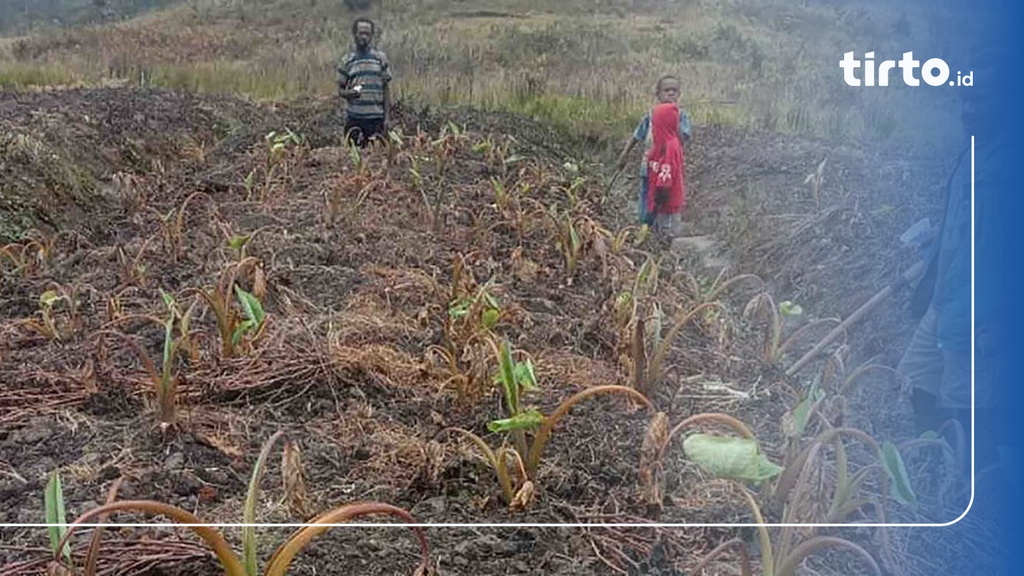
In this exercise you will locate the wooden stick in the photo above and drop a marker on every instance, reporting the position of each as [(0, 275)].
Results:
[(868, 306)]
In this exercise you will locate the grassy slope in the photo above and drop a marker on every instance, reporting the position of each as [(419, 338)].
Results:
[(579, 64)]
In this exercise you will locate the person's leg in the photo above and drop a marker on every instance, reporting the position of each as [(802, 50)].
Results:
[(666, 224), (663, 221), (645, 216), (374, 129), (922, 369), (955, 396), (354, 132), (675, 223)]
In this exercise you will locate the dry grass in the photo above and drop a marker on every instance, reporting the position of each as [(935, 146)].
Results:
[(763, 64)]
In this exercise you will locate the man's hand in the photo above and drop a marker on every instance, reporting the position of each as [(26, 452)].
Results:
[(350, 93)]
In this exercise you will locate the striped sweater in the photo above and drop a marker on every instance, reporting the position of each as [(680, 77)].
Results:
[(371, 70)]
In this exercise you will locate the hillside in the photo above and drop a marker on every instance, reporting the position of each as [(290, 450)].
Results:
[(760, 63), (21, 16), (375, 282)]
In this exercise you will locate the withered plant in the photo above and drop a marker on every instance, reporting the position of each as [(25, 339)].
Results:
[(663, 344), (47, 323), (172, 227), (733, 458), (238, 327), (29, 256), (516, 379), (824, 402), (784, 559), (131, 268), (282, 558), (471, 313), (131, 191), (718, 287), (762, 309), (164, 380)]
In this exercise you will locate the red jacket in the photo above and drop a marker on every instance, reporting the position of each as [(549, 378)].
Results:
[(666, 186)]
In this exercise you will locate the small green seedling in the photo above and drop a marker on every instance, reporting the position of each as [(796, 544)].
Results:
[(236, 329), (515, 379), (56, 520)]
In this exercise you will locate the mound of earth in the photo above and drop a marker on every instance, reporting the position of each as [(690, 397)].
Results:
[(62, 150)]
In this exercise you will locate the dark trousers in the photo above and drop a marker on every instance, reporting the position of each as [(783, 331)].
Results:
[(359, 131)]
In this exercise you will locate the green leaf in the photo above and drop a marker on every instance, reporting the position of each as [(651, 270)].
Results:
[(899, 480), (55, 514), (489, 318), (802, 411), (849, 507), (168, 300), (929, 435), (787, 308), (730, 457), (654, 327), (522, 421), (458, 308), (251, 306), (855, 482), (623, 299), (801, 414), (238, 242), (490, 300), (574, 237), (508, 379), (250, 179), (523, 373), (168, 343), (644, 273), (48, 298), (241, 329), (842, 462), (249, 511)]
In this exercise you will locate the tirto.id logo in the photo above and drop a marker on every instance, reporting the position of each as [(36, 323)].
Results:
[(934, 72)]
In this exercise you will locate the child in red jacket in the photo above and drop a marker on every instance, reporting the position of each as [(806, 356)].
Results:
[(666, 167)]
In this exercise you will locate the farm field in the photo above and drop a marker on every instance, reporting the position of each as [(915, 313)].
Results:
[(195, 264)]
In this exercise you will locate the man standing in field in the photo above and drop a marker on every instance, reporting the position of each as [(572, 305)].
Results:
[(666, 91), (363, 80)]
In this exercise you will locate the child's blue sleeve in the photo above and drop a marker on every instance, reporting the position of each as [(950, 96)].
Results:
[(684, 123), (640, 134)]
